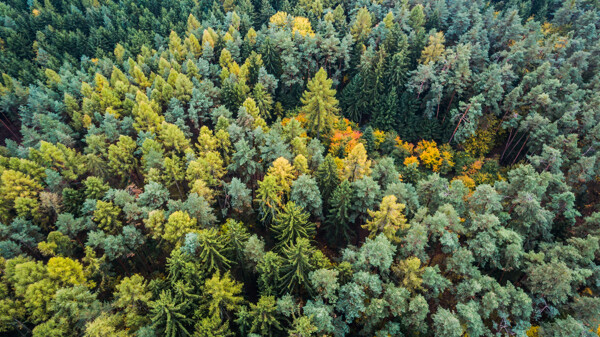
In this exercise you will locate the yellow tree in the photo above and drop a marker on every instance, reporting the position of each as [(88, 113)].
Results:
[(435, 48), (357, 164), (362, 25), (388, 220), (283, 172), (319, 103)]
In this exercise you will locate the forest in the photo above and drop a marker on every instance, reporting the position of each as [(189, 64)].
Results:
[(301, 168)]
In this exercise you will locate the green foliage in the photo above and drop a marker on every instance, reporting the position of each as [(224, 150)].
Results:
[(106, 216), (446, 324), (263, 316), (305, 193), (292, 223), (297, 265), (209, 247), (327, 178), (169, 177), (338, 221), (168, 315)]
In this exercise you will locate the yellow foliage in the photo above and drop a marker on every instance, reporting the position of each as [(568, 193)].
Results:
[(201, 188), (235, 21), (379, 137), (302, 26), (411, 160), (484, 138), (209, 36), (251, 36), (86, 121), (119, 52), (429, 154), (225, 60), (227, 37), (435, 50), (66, 271), (35, 12), (279, 19), (547, 28), (299, 24), (301, 164), (447, 158), (388, 219), (362, 24), (228, 5), (192, 23), (468, 181), (282, 170), (408, 147), (561, 44), (339, 163), (357, 164), (534, 331)]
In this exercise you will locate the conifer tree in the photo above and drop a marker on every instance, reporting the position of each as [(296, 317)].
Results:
[(357, 164), (328, 179), (264, 318), (305, 193), (223, 295), (388, 220), (168, 315), (209, 247), (338, 228), (292, 223), (296, 266), (320, 104)]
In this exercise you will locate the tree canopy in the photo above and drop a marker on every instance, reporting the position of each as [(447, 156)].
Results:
[(299, 168)]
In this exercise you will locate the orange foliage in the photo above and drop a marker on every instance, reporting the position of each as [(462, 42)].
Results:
[(343, 141)]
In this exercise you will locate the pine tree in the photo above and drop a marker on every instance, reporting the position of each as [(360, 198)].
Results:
[(362, 25), (434, 50), (305, 193), (320, 104), (369, 139)]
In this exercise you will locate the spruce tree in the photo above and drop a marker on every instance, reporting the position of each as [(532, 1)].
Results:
[(328, 179), (337, 226)]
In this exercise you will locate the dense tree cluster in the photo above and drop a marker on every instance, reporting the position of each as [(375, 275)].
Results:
[(300, 168)]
